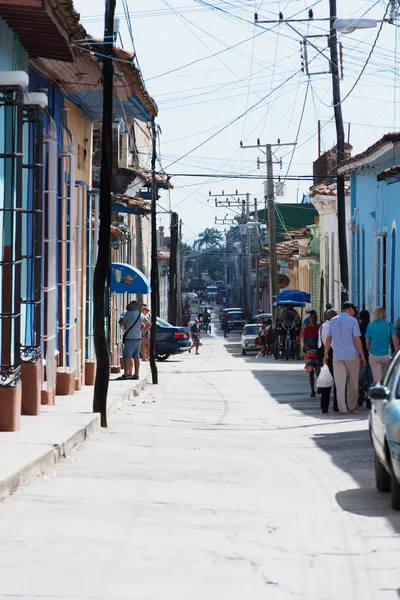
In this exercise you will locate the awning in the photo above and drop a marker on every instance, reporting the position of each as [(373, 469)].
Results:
[(127, 279)]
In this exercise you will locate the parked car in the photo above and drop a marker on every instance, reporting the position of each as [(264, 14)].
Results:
[(193, 297), (384, 426), (248, 339), (170, 339)]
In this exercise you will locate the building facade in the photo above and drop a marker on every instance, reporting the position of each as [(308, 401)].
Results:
[(374, 176), (49, 208)]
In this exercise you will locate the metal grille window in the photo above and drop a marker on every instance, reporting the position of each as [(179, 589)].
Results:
[(50, 254), (363, 276), (393, 277), (66, 252), (32, 238), (327, 268), (92, 240), (80, 198), (11, 146)]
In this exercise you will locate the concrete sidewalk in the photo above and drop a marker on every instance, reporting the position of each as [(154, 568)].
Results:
[(46, 439)]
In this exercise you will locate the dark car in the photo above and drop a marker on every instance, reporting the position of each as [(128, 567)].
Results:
[(170, 339), (236, 320), (224, 310), (384, 426)]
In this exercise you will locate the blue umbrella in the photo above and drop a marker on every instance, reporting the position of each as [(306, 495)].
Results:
[(288, 296)]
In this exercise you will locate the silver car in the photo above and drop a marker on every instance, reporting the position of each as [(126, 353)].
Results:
[(248, 339)]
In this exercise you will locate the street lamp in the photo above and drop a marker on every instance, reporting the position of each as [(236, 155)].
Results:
[(350, 25)]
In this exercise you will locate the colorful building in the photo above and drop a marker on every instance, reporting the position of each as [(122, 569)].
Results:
[(50, 98), (374, 176)]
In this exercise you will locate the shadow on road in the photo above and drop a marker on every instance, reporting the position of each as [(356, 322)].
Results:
[(352, 452)]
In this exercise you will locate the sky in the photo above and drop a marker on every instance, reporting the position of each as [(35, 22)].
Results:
[(219, 79)]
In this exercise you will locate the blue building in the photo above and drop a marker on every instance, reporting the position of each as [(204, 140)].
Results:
[(374, 219), (50, 95)]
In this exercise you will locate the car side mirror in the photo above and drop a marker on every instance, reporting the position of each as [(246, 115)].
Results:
[(379, 392)]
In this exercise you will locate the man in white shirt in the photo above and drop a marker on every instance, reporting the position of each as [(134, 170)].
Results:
[(345, 338)]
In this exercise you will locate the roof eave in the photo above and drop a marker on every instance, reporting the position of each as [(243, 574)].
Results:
[(361, 162)]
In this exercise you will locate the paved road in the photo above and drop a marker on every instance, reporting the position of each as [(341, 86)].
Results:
[(224, 482)]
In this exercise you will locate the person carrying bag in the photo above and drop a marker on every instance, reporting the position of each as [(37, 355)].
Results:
[(325, 390)]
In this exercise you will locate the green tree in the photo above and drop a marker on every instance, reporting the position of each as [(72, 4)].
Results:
[(209, 238)]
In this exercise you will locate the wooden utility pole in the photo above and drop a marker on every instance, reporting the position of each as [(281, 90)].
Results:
[(269, 194), (173, 271), (154, 257), (256, 257), (103, 255), (273, 265), (340, 154)]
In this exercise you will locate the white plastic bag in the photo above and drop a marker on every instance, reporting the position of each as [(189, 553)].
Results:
[(325, 379)]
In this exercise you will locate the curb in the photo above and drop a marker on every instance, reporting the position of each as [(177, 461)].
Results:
[(61, 450)]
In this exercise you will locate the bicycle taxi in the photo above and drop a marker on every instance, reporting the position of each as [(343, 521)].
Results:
[(289, 323)]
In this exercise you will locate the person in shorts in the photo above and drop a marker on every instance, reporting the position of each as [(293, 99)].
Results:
[(195, 335), (134, 323)]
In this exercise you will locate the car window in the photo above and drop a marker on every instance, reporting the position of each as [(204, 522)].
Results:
[(163, 323), (251, 329), (391, 371), (236, 316)]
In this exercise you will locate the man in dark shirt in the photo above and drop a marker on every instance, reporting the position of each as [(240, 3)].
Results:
[(195, 335)]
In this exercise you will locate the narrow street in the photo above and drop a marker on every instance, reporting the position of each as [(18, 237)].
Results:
[(224, 482)]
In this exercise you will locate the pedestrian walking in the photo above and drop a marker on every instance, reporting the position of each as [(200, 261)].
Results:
[(365, 378), (145, 345), (310, 340), (195, 336), (135, 323), (225, 324), (380, 336), (326, 392), (262, 340), (328, 307), (344, 337)]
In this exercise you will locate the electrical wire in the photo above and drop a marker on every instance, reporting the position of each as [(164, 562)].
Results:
[(233, 120)]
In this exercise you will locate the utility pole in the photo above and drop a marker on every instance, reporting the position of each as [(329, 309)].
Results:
[(173, 271), (340, 154), (243, 256), (257, 242), (236, 201), (269, 194), (154, 257), (103, 255), (337, 107), (179, 271), (248, 257)]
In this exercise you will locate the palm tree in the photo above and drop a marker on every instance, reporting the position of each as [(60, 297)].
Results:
[(210, 238)]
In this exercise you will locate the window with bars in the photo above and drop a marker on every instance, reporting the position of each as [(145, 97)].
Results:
[(11, 158)]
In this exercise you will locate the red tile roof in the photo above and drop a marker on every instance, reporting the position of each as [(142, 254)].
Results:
[(325, 189)]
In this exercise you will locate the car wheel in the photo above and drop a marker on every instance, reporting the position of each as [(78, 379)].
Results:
[(162, 357), (395, 485), (382, 477), (243, 352)]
